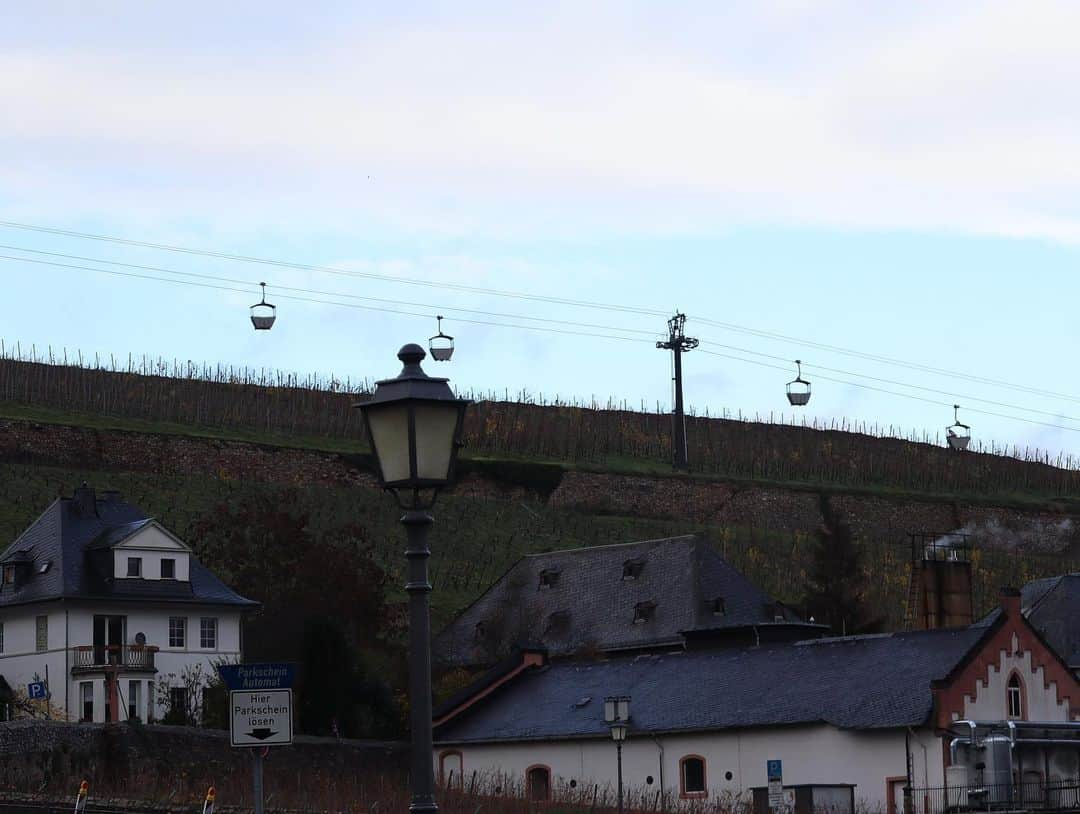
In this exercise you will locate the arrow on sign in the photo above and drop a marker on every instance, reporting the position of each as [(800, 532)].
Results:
[(261, 734)]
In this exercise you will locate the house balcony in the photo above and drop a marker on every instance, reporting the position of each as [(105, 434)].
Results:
[(127, 657)]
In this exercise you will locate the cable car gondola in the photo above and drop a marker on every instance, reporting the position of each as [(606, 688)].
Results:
[(798, 389), (441, 345), (263, 313), (958, 435)]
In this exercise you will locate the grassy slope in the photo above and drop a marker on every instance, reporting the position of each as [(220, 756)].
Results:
[(475, 540)]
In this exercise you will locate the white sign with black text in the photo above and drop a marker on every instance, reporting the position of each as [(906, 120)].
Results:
[(260, 717)]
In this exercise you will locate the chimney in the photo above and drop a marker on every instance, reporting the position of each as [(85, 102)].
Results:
[(83, 502), (1010, 602), (940, 593)]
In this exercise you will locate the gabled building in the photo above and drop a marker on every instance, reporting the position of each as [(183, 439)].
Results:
[(858, 718), (113, 609), (1053, 608), (615, 599)]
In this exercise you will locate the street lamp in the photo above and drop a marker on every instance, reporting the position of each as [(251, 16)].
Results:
[(617, 716), (414, 423)]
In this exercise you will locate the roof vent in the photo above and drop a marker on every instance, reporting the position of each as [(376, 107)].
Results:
[(644, 612), (549, 578), (480, 632), (716, 605), (632, 568), (558, 623), (44, 567)]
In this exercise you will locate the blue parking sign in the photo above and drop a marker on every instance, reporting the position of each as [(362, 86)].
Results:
[(775, 769), (36, 690)]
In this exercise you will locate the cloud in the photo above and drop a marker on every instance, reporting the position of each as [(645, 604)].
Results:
[(584, 120)]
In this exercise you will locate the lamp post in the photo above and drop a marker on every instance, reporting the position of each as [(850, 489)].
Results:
[(414, 423), (617, 716)]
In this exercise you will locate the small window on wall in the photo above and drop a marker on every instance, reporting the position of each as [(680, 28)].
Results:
[(208, 632), (1014, 697), (86, 696), (168, 569), (177, 631), (134, 565), (41, 637), (692, 776), (538, 783)]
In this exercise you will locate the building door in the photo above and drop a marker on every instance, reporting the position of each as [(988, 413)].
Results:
[(109, 634), (896, 794)]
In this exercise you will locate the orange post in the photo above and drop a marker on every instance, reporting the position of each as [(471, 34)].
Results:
[(80, 800)]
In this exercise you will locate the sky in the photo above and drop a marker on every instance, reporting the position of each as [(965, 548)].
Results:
[(895, 180)]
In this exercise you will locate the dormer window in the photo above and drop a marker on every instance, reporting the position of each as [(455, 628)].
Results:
[(549, 578), (644, 612), (134, 566), (10, 573), (632, 569), (168, 569), (717, 606), (558, 624)]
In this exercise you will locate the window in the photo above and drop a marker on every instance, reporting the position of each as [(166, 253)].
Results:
[(86, 695), (632, 569), (643, 612), (9, 574), (42, 633), (134, 566), (133, 700), (717, 606), (450, 771), (177, 631), (1014, 696), (549, 578), (692, 776), (208, 631), (538, 783), (168, 569), (178, 711), (479, 633)]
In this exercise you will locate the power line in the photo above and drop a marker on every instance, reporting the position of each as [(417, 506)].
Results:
[(276, 287), (331, 270), (899, 395), (765, 334), (212, 282)]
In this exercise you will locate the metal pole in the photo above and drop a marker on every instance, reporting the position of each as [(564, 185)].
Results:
[(422, 777), (618, 752), (48, 694), (681, 458), (258, 773)]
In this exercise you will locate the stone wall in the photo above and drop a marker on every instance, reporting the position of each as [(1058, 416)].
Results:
[(43, 754)]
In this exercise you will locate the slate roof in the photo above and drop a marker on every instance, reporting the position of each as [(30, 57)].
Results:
[(855, 682), (74, 534), (1052, 606), (590, 604)]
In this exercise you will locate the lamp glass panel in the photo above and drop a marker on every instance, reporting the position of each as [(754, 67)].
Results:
[(435, 426), (618, 733), (390, 437)]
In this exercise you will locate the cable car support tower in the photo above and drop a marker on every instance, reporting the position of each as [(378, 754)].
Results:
[(678, 343)]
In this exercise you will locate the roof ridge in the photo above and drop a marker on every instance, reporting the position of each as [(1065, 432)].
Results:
[(657, 540)]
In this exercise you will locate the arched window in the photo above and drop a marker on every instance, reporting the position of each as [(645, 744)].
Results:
[(1014, 697), (692, 776), (538, 783), (450, 768)]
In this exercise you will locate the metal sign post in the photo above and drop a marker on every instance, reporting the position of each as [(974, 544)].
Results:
[(775, 771), (260, 712)]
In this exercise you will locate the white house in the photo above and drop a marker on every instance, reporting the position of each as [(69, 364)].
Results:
[(876, 712), (107, 604)]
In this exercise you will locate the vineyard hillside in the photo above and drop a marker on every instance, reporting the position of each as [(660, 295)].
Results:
[(184, 442)]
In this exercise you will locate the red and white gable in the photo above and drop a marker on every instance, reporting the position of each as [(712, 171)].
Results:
[(1012, 675)]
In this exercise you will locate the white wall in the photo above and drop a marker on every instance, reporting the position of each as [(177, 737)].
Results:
[(811, 754), (72, 626), (1040, 704)]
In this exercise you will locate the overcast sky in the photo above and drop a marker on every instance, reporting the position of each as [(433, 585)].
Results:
[(902, 183)]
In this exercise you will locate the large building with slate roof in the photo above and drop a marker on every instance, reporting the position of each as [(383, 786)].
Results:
[(111, 607), (706, 715), (616, 598)]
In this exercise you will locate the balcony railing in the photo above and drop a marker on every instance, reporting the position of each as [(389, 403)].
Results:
[(89, 658), (1053, 795)]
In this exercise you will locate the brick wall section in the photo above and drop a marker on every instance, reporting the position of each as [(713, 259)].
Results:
[(41, 752)]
